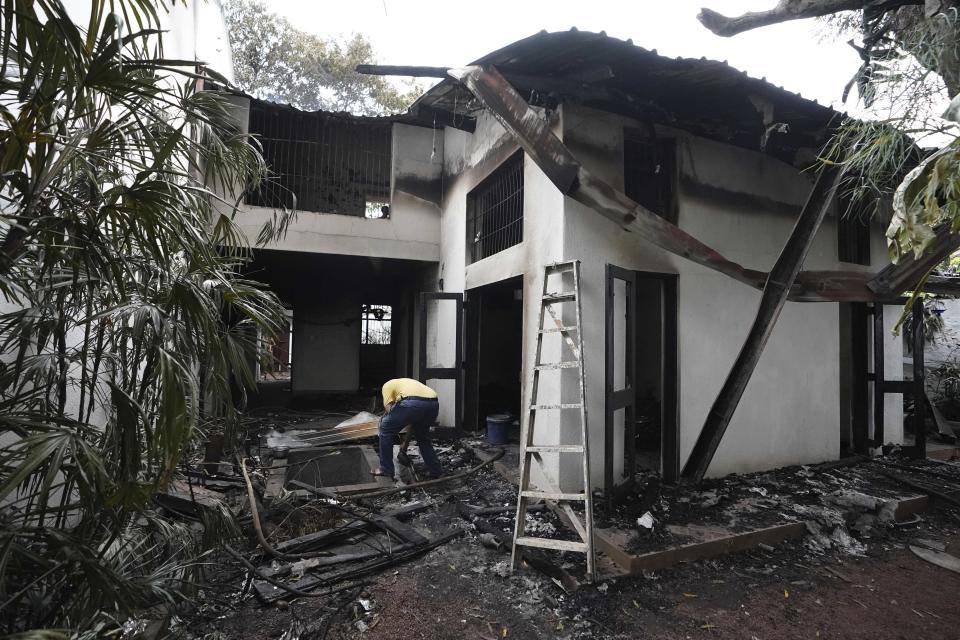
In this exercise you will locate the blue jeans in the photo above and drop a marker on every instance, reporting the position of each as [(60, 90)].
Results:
[(419, 412)]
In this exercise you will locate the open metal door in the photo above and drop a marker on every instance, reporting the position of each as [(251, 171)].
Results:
[(441, 354), (621, 362)]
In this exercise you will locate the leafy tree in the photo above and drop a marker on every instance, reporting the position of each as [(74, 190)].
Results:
[(910, 71), (126, 329), (275, 61)]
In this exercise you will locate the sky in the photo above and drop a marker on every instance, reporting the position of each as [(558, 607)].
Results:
[(430, 32)]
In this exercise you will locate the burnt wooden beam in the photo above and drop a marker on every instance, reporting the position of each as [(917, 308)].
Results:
[(401, 70), (784, 11), (533, 134), (775, 293), (565, 171), (894, 279)]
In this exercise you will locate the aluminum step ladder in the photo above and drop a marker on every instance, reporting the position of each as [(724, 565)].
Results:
[(550, 421)]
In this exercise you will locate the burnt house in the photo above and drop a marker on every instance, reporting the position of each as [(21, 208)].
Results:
[(421, 241)]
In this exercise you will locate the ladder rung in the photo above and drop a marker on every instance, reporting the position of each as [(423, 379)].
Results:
[(559, 267), (559, 297), (566, 364), (560, 448), (559, 329), (541, 407), (549, 495), (547, 543)]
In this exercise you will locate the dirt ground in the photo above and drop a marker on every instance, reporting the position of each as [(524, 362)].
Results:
[(464, 590), (894, 595)]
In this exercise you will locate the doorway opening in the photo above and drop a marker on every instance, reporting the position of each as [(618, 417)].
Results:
[(377, 358), (276, 362), (494, 352), (642, 376)]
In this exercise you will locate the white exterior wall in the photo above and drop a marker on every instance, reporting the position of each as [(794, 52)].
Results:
[(790, 411), (469, 158)]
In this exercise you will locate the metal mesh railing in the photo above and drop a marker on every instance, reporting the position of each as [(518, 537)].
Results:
[(322, 162), (495, 210)]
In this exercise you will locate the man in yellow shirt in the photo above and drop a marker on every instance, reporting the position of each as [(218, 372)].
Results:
[(408, 401)]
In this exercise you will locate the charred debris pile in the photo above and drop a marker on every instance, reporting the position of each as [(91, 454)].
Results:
[(313, 536)]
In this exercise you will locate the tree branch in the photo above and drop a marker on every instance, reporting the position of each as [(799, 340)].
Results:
[(785, 11)]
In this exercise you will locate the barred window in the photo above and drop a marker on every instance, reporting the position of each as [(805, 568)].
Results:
[(495, 210), (375, 324), (323, 162)]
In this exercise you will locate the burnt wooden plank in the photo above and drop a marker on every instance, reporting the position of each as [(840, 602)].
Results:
[(711, 548), (774, 297), (894, 279)]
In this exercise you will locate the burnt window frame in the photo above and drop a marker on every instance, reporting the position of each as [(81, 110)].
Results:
[(341, 162), (666, 204), (506, 227)]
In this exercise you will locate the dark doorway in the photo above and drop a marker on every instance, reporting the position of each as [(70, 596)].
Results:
[(642, 373), (494, 351)]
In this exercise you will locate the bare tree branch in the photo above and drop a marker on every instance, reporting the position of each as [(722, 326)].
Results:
[(784, 11)]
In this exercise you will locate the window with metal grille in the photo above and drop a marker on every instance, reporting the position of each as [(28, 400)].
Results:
[(495, 210), (328, 163), (648, 174), (376, 324)]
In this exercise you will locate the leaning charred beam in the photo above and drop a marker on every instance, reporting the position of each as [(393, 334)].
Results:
[(563, 169), (401, 70), (784, 11), (894, 279), (775, 293)]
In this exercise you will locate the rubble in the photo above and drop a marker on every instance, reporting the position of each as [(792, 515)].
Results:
[(338, 550)]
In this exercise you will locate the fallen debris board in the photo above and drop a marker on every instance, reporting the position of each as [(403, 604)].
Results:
[(488, 511), (298, 568), (268, 593), (717, 547), (330, 536), (939, 558), (952, 496), (613, 542), (933, 545)]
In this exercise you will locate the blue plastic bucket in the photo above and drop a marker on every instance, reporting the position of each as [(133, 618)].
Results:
[(498, 426)]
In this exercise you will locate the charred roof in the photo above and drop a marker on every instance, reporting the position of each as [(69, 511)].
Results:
[(706, 97)]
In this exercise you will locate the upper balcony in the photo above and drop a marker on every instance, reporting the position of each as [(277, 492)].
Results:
[(339, 172)]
